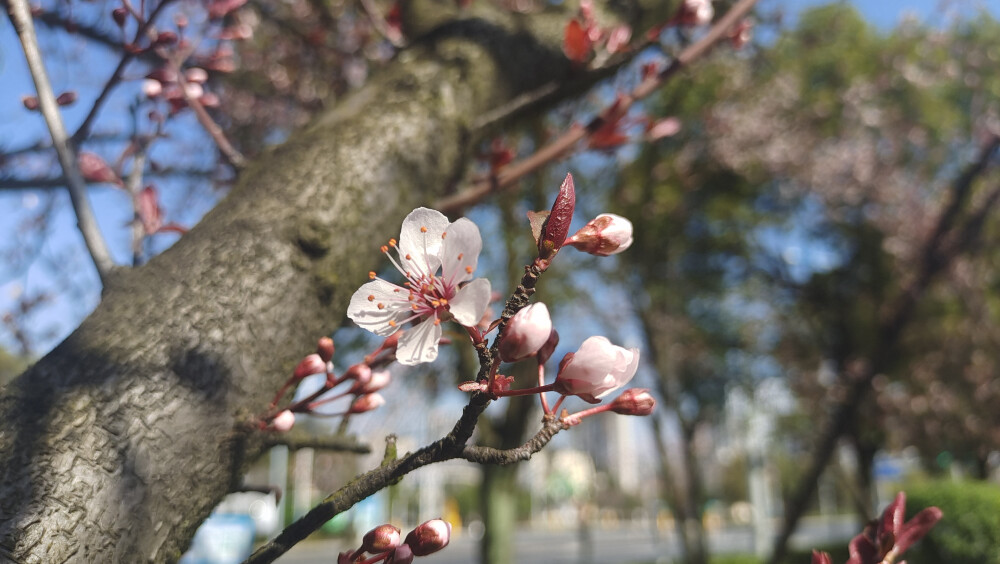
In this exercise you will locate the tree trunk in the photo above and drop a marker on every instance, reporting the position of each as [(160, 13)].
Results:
[(117, 444), (499, 506)]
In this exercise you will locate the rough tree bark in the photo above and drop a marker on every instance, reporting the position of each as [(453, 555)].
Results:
[(117, 444)]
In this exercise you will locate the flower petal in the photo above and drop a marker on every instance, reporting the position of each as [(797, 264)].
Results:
[(470, 303), (365, 312), (419, 344), (460, 252), (423, 247)]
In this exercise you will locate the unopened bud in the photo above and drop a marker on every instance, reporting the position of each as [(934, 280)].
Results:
[(556, 226), (360, 373), (381, 539), (166, 38), (376, 382), (94, 169), (311, 364), (209, 100), (30, 102), (403, 554), (429, 537), (196, 74), (634, 401), (548, 348), (66, 98), (193, 90), (695, 12), (152, 88), (605, 235), (119, 15), (325, 348), (526, 332), (366, 402), (284, 421)]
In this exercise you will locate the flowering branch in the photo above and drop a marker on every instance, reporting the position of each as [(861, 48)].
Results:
[(20, 17), (563, 144)]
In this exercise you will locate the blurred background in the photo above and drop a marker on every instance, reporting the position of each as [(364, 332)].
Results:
[(812, 283)]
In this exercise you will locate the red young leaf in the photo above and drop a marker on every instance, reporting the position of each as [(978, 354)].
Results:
[(94, 169), (821, 558), (148, 208), (916, 528), (576, 43)]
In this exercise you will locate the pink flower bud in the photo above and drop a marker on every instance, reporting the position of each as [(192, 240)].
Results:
[(94, 169), (634, 401), (366, 402), (196, 74), (30, 102), (284, 421), (376, 382), (548, 348), (152, 88), (605, 235), (193, 90), (596, 369), (403, 554), (361, 373), (429, 537), (325, 348), (695, 12), (556, 226), (311, 364), (381, 539), (209, 100), (526, 332)]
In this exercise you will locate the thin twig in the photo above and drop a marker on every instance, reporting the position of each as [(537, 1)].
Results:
[(11, 183), (232, 155), (127, 56), (20, 17), (565, 143)]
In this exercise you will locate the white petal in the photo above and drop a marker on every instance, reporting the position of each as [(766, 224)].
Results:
[(419, 344), (366, 313), (470, 303), (460, 252), (423, 247)]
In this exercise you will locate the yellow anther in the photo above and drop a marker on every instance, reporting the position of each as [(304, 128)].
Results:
[(371, 275), (437, 321), (468, 269), (384, 249), (392, 323), (415, 307), (460, 255), (443, 235), (381, 305), (392, 242), (423, 230), (408, 257), (371, 297), (444, 301)]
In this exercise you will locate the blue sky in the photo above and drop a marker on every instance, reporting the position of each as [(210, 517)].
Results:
[(18, 126)]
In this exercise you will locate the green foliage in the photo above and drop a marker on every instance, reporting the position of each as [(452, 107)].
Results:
[(969, 532), (10, 366)]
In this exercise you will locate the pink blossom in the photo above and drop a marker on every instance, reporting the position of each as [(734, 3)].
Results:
[(527, 331), (375, 382), (427, 243), (367, 402), (596, 369), (605, 235)]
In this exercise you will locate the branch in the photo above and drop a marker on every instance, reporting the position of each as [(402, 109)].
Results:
[(127, 56), (513, 172), (12, 183), (296, 440), (233, 156), (20, 17)]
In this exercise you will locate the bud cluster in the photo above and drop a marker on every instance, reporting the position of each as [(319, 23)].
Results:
[(384, 544), (366, 379)]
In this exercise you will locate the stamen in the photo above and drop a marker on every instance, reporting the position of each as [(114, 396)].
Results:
[(460, 255), (371, 297), (444, 301), (384, 249), (423, 229), (392, 323), (443, 235), (437, 321), (468, 269), (392, 242), (371, 275), (381, 305), (408, 257)]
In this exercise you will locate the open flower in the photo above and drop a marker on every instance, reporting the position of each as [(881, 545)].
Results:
[(596, 369), (427, 243)]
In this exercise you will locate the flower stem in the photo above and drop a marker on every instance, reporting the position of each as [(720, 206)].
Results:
[(541, 396), (527, 391)]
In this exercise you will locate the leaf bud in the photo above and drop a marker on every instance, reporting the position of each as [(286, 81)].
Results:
[(556, 226)]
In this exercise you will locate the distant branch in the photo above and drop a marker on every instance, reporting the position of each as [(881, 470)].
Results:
[(20, 16), (13, 183), (338, 443), (513, 172)]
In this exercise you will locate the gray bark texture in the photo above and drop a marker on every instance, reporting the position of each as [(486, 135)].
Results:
[(116, 445)]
